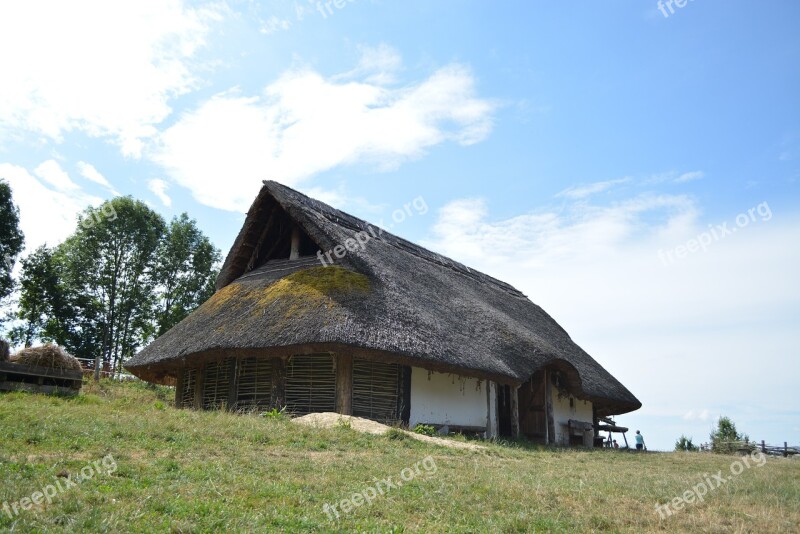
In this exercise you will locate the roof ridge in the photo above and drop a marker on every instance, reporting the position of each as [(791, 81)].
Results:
[(357, 224)]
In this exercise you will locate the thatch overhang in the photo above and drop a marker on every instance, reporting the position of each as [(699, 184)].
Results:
[(391, 300)]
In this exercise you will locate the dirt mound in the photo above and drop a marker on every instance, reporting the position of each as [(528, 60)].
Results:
[(330, 420), (50, 356)]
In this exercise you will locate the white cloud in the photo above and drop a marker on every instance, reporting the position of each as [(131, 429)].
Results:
[(104, 68), (674, 177), (583, 191), (274, 24), (378, 65), (88, 171), (689, 176), (51, 172), (305, 124), (707, 330), (159, 189), (46, 215), (698, 415)]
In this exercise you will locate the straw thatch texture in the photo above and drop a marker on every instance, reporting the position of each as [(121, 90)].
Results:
[(392, 298), (50, 356)]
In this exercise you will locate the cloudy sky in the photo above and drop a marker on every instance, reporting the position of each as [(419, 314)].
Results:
[(633, 170)]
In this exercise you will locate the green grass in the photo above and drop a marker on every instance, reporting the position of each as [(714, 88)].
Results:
[(187, 471)]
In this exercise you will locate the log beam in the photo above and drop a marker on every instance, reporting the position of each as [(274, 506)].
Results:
[(514, 411), (548, 411), (344, 384)]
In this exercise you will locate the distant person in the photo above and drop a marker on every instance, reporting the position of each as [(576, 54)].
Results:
[(616, 445), (639, 441)]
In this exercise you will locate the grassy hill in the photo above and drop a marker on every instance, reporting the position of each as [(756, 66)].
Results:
[(150, 467)]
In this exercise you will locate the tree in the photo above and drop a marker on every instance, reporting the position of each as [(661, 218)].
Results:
[(12, 239), (109, 261), (40, 291), (725, 438), (185, 272), (685, 444), (121, 278)]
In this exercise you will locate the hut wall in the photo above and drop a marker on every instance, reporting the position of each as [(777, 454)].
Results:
[(310, 384), (579, 410), (186, 392), (254, 391), (216, 384), (446, 399), (377, 390)]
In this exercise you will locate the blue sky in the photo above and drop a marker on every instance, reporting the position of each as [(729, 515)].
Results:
[(581, 151)]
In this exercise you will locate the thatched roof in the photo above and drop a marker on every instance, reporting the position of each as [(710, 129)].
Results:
[(392, 300), (49, 355)]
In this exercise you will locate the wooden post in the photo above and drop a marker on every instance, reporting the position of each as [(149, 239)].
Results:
[(491, 410), (295, 250), (179, 389), (278, 383), (344, 384), (233, 385), (548, 401), (405, 387), (763, 447), (785, 450), (514, 411), (199, 382)]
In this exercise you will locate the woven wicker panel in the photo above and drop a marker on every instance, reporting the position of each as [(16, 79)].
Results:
[(216, 385), (255, 384), (376, 390), (310, 384), (189, 382)]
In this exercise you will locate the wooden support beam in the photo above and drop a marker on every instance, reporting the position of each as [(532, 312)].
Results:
[(278, 383), (548, 409), (491, 410), (405, 402), (179, 389), (253, 263), (200, 380), (294, 251), (344, 384), (233, 384), (514, 411)]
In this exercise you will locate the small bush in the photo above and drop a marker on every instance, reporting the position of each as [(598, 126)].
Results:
[(344, 424), (685, 444), (426, 430), (275, 414)]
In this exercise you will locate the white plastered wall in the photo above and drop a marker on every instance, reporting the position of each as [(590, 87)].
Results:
[(562, 413), (447, 399)]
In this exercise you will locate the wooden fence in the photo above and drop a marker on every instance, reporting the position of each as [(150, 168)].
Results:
[(785, 450)]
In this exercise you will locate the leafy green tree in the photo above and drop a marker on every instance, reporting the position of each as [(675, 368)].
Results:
[(39, 290), (120, 279), (725, 438), (11, 238), (685, 444), (185, 272), (109, 263)]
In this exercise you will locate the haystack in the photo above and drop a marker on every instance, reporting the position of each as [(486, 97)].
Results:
[(5, 350), (50, 356)]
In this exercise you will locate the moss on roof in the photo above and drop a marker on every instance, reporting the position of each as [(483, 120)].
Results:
[(318, 286)]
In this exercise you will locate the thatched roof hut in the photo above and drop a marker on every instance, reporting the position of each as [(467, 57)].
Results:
[(385, 300)]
